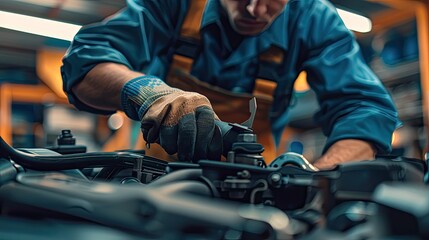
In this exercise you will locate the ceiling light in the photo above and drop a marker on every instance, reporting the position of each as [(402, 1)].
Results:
[(38, 26), (66, 31), (355, 22)]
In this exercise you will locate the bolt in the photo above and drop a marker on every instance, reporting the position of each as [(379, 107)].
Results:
[(247, 137), (66, 138), (244, 174), (276, 177)]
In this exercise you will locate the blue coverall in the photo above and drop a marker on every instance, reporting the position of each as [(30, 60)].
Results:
[(353, 102)]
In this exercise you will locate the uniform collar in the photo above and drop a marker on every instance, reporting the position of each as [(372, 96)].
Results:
[(276, 34), (212, 13)]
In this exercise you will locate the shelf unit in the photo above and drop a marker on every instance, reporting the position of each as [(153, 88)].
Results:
[(415, 72), (22, 93)]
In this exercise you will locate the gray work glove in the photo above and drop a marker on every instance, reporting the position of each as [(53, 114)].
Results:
[(181, 122)]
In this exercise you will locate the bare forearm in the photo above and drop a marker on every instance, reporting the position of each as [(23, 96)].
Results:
[(346, 150), (101, 87)]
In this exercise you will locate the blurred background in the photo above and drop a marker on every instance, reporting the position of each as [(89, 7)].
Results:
[(393, 35)]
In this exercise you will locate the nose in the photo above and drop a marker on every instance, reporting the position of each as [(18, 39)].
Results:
[(257, 8)]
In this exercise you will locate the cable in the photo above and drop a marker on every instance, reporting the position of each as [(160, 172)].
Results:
[(70, 161)]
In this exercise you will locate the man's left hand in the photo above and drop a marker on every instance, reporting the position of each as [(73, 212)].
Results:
[(346, 150)]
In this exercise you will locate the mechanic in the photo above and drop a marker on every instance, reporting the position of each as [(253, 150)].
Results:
[(179, 66)]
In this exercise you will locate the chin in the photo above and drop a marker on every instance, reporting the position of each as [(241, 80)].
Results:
[(249, 31)]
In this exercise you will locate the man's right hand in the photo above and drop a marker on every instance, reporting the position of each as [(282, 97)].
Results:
[(181, 122)]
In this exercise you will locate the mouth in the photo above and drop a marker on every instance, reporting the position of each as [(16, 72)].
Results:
[(250, 25), (250, 22)]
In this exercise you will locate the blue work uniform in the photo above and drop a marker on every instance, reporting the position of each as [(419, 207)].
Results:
[(353, 102)]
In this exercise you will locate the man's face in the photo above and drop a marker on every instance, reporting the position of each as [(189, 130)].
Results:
[(251, 17)]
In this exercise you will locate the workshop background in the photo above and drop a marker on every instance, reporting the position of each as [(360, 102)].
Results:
[(393, 35)]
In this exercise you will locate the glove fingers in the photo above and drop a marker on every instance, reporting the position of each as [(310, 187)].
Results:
[(205, 130), (187, 130), (215, 147), (168, 139), (150, 131)]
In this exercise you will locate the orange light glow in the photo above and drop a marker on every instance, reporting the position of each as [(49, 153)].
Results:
[(395, 139), (301, 84), (48, 63)]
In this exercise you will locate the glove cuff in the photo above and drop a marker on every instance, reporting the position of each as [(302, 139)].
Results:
[(140, 93)]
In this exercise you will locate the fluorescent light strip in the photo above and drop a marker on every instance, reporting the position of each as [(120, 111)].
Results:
[(355, 22), (38, 26), (66, 31)]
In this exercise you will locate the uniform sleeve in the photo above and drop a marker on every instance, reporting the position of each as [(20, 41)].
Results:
[(353, 102), (131, 37)]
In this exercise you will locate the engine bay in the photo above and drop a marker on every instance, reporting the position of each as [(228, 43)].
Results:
[(65, 192)]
